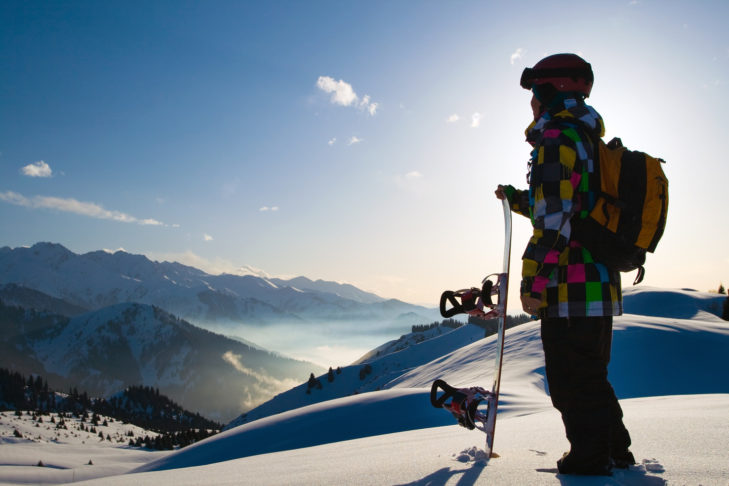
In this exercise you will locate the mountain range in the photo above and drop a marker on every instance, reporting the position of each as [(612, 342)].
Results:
[(104, 321), (122, 345), (100, 278), (372, 422)]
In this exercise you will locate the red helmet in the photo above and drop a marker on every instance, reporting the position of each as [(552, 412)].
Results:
[(566, 72)]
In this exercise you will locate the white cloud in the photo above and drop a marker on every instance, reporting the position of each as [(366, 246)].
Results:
[(250, 270), (37, 169), (151, 222), (368, 105), (14, 198), (476, 120), (518, 54), (70, 205), (332, 141), (111, 252), (207, 237), (264, 209), (414, 175), (354, 140), (453, 118), (213, 267), (343, 94)]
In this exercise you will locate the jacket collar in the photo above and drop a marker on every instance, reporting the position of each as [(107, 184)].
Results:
[(568, 110)]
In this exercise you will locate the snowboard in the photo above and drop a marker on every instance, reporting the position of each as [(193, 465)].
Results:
[(476, 407)]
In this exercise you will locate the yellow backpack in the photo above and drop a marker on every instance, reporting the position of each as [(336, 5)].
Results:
[(629, 214)]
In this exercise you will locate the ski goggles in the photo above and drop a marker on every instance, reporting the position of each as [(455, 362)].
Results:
[(531, 76)]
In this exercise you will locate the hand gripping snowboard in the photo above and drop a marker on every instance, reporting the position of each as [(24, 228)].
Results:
[(475, 407)]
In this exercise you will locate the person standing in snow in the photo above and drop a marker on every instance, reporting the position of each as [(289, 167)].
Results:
[(575, 296)]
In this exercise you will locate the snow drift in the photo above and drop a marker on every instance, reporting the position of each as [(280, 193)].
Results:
[(668, 371), (652, 356)]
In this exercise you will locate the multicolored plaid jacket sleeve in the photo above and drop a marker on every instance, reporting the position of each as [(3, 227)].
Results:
[(556, 269), (518, 200)]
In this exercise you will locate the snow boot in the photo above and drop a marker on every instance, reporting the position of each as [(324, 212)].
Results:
[(572, 463), (589, 433), (620, 442), (623, 460)]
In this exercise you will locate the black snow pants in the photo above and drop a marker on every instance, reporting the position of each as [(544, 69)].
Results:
[(577, 353)]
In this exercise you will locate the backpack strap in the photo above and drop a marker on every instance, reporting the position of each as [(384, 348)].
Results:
[(587, 134)]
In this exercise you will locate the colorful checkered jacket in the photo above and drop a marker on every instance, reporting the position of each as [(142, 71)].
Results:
[(555, 267)]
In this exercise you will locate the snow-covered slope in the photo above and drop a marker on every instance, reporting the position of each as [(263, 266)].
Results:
[(104, 351), (11, 294), (684, 304), (651, 357), (67, 449), (672, 366), (416, 359), (411, 339), (345, 291), (55, 428), (677, 440), (370, 376)]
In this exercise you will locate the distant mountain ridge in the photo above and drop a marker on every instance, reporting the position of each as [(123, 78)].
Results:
[(12, 294), (102, 321), (107, 350), (100, 278)]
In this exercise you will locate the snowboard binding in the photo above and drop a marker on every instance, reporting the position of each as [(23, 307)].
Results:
[(464, 404), (473, 301)]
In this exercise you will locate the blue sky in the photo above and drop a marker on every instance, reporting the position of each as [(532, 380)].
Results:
[(351, 141)]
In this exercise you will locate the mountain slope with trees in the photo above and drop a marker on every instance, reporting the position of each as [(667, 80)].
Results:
[(134, 344)]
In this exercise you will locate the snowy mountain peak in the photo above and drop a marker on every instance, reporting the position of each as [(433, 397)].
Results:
[(51, 253), (97, 279), (50, 247)]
